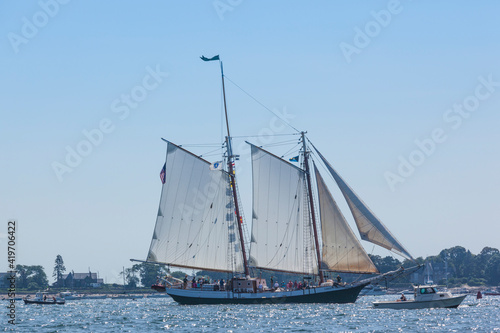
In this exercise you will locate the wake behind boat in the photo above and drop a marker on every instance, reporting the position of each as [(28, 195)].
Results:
[(297, 227), (425, 297)]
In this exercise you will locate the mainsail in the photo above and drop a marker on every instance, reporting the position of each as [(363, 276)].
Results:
[(341, 251), (281, 233), (196, 225), (370, 227)]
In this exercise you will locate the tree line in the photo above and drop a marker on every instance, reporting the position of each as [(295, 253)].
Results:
[(455, 266)]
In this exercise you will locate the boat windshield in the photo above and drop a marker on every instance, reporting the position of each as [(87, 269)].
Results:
[(427, 290)]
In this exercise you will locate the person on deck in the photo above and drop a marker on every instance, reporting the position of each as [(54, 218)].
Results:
[(403, 297)]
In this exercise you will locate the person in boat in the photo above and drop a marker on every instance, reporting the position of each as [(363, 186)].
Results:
[(403, 297), (221, 283), (185, 282), (261, 287), (339, 279)]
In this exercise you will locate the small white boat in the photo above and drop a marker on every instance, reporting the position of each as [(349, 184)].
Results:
[(69, 296), (425, 297), (43, 298), (96, 296)]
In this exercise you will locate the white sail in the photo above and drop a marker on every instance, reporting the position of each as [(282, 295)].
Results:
[(195, 226), (341, 251), (370, 227), (281, 234)]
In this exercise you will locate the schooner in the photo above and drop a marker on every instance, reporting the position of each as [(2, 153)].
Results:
[(297, 226)]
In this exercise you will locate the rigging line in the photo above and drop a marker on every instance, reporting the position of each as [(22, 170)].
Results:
[(210, 152), (265, 107), (201, 145), (285, 234), (290, 150), (258, 136), (279, 142), (210, 155)]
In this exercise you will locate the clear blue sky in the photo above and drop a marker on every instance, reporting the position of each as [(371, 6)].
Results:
[(365, 79)]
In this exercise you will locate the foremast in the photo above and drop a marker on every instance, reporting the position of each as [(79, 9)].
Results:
[(311, 206), (232, 177)]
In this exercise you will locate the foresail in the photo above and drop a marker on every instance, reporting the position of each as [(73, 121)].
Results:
[(195, 226), (281, 233), (370, 227), (341, 251)]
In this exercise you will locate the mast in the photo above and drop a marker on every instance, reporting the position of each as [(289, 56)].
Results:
[(311, 204), (230, 159)]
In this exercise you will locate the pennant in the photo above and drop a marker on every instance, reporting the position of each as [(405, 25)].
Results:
[(163, 173), (216, 165), (294, 159), (209, 59)]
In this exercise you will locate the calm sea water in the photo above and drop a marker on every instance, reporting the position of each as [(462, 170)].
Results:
[(153, 315)]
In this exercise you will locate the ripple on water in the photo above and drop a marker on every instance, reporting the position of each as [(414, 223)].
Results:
[(150, 315)]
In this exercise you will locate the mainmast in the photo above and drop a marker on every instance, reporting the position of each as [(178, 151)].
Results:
[(311, 205), (230, 161)]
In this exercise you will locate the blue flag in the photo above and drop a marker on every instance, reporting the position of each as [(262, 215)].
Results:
[(294, 159), (209, 59)]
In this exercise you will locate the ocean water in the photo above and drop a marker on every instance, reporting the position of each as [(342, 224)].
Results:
[(163, 314)]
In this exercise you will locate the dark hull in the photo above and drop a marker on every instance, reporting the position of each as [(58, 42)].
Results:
[(27, 301), (313, 295)]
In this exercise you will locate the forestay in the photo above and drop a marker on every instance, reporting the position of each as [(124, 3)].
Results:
[(370, 227), (341, 251), (281, 232), (196, 216)]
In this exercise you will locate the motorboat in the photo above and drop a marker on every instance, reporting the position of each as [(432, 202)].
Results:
[(425, 297), (44, 298), (69, 296)]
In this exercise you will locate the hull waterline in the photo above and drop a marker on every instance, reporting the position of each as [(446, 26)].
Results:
[(312, 295), (27, 301), (452, 302)]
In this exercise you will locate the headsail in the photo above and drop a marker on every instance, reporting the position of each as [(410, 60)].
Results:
[(196, 219), (342, 251), (281, 234), (370, 227)]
